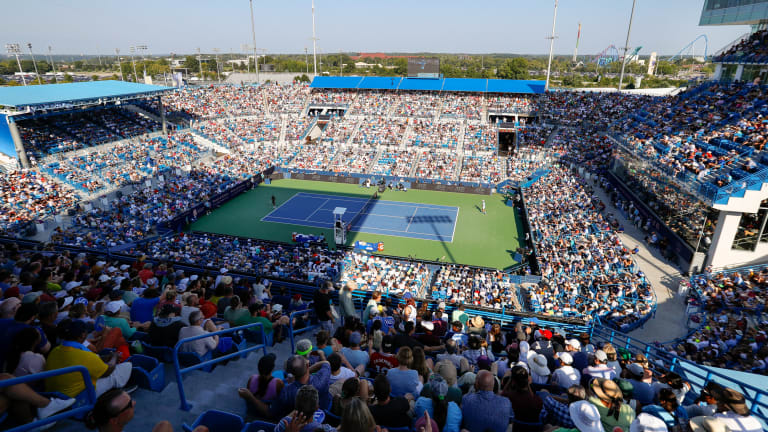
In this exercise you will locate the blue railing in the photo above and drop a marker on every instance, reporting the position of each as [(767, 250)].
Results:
[(79, 411), (698, 376), (185, 405), (309, 325)]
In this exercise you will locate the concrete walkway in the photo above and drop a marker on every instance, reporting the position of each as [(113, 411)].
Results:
[(670, 320)]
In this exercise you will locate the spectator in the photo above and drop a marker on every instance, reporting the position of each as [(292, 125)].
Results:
[(607, 397), (526, 404), (388, 410), (597, 367), (643, 391), (483, 410), (732, 410), (555, 409), (307, 401), (351, 388), (22, 359), (357, 417), (566, 376), (537, 364), (446, 413), (354, 354), (165, 328), (262, 388), (28, 404), (322, 302), (317, 376), (403, 379), (668, 410), (345, 300), (203, 346), (72, 352)]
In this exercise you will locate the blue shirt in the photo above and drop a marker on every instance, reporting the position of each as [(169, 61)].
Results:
[(402, 382), (142, 309), (452, 418), (356, 357), (679, 417), (643, 392), (485, 410), (285, 403)]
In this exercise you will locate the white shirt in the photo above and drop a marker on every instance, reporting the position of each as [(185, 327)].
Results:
[(736, 423), (344, 373), (566, 376)]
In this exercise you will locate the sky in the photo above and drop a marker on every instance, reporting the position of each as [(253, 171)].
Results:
[(285, 26)]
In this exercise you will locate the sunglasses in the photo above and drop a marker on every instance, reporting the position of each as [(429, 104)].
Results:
[(131, 403)]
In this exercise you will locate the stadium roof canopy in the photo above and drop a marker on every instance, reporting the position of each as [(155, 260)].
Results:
[(428, 84), (62, 96)]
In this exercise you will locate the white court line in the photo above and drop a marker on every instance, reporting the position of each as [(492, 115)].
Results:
[(455, 222), (317, 210), (278, 207), (298, 222), (411, 219)]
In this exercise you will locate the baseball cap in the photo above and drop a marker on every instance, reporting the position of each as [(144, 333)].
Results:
[(565, 358), (441, 305), (113, 306), (636, 369), (355, 338), (304, 347), (574, 343), (602, 356), (30, 297)]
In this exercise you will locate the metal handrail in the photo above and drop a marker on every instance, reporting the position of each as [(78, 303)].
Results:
[(757, 398), (81, 410), (185, 405)]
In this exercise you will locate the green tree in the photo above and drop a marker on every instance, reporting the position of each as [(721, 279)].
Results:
[(68, 78), (517, 68)]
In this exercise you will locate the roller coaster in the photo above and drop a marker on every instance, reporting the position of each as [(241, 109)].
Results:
[(606, 56), (691, 48)]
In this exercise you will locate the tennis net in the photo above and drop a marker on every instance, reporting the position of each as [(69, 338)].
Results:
[(368, 204)]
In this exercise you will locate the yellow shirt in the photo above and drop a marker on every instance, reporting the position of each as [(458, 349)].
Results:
[(72, 384)]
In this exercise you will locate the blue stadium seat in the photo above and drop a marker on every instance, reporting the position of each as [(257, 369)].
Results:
[(258, 425), (147, 372), (217, 421)]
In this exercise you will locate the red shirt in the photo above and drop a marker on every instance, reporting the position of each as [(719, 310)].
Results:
[(382, 361)]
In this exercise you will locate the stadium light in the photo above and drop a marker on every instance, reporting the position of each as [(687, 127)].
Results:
[(626, 46), (200, 63), (133, 61), (314, 38), (53, 65), (216, 56), (34, 62), (551, 47), (15, 49), (119, 63), (253, 35), (143, 49)]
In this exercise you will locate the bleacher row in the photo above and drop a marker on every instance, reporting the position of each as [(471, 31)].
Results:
[(149, 367)]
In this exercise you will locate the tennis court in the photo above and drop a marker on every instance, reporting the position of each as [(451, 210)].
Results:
[(395, 218)]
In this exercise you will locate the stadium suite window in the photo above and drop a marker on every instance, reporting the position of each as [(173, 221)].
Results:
[(722, 4), (752, 228)]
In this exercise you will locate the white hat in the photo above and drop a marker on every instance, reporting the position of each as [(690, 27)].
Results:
[(707, 424), (193, 278), (181, 287), (538, 365), (647, 423), (184, 281), (67, 301), (574, 343), (152, 281), (428, 325), (100, 263), (441, 305), (103, 278), (277, 308), (59, 294), (111, 269), (565, 358), (601, 355), (585, 416), (124, 267), (72, 284), (113, 306), (222, 270)]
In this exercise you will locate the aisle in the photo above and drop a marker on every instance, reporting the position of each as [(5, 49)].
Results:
[(669, 322)]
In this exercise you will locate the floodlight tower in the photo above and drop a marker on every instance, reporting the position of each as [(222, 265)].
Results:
[(119, 63), (15, 49), (143, 49), (133, 61), (626, 45), (551, 47), (200, 63), (314, 37), (216, 56), (34, 62), (253, 36), (53, 65)]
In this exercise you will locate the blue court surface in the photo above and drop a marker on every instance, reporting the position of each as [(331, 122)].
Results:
[(413, 220)]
